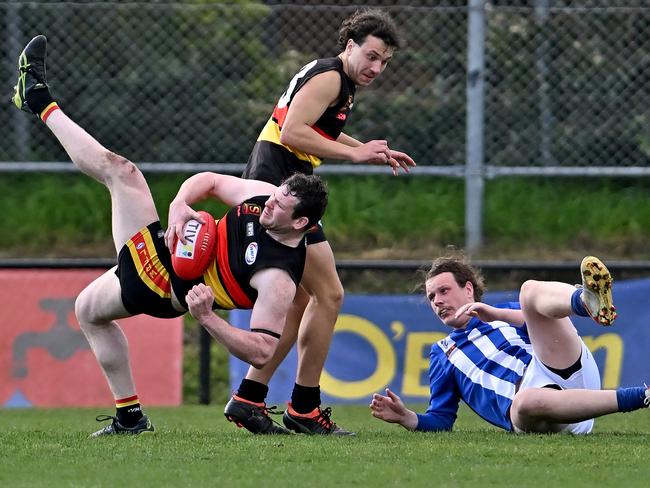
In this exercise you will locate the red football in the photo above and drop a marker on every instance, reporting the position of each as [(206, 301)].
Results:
[(190, 260)]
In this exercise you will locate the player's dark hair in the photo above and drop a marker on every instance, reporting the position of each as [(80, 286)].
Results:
[(462, 271), (369, 22), (311, 193)]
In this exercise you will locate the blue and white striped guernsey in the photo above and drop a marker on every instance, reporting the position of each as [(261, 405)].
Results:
[(480, 365)]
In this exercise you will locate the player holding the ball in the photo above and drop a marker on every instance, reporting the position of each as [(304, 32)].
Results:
[(256, 252)]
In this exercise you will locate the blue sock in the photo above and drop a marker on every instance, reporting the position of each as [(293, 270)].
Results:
[(630, 398), (576, 304)]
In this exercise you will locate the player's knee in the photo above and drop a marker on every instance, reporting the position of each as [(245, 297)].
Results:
[(336, 296), (527, 292), (330, 297), (529, 403), (119, 163), (121, 168), (83, 309)]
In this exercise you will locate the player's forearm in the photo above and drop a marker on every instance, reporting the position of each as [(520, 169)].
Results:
[(348, 140), (253, 348), (410, 420), (429, 422), (512, 316), (306, 139), (195, 188)]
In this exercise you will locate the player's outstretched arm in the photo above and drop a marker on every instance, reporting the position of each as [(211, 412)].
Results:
[(488, 313)]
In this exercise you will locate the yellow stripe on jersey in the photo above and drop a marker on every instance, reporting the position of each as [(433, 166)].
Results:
[(211, 278), (150, 269), (271, 133)]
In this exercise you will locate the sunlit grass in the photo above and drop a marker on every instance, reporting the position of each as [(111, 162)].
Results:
[(196, 446)]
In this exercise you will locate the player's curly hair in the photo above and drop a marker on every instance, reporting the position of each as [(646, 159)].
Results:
[(369, 22), (462, 270), (311, 192)]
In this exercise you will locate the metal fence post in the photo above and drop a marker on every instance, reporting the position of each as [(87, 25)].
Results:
[(475, 126), (542, 61), (18, 120), (204, 365)]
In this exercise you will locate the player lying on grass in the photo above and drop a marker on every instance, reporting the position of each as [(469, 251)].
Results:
[(520, 366), (260, 250)]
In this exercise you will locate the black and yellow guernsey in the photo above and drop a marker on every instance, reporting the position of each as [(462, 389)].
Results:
[(244, 248), (329, 125)]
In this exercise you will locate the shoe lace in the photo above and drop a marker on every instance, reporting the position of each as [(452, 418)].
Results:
[(104, 418), (324, 418), (273, 411)]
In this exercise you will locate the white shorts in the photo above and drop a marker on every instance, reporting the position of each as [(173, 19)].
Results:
[(537, 375)]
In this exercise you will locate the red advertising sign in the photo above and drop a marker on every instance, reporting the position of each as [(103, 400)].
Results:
[(45, 360)]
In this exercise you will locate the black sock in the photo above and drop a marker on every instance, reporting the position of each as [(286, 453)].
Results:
[(129, 416), (304, 399), (38, 99), (253, 391)]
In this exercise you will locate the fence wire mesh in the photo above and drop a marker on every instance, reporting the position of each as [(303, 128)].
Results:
[(566, 83)]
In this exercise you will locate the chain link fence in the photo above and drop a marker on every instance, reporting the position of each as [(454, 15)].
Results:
[(566, 82)]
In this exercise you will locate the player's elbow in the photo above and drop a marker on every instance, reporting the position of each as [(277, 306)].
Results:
[(286, 137), (264, 351), (260, 360), (290, 135)]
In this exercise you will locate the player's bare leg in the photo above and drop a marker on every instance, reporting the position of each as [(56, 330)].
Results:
[(317, 327), (546, 306), (548, 410), (97, 307), (132, 208), (321, 281)]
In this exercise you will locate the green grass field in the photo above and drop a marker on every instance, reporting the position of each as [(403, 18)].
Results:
[(367, 218), (196, 446)]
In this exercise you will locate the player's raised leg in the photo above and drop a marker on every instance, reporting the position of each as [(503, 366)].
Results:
[(132, 208), (132, 204)]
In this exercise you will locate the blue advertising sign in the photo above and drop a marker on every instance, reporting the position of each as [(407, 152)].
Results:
[(384, 340)]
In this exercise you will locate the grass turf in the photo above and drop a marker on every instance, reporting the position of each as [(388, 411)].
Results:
[(196, 446)]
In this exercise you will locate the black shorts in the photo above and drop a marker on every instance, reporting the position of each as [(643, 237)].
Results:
[(273, 163), (144, 267)]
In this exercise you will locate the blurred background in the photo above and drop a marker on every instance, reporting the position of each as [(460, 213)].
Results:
[(566, 83), (481, 90)]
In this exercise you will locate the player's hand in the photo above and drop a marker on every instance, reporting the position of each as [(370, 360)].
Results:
[(374, 152), (199, 301), (179, 214), (483, 311), (378, 152), (389, 408), (399, 160)]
